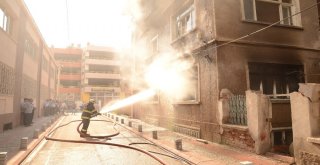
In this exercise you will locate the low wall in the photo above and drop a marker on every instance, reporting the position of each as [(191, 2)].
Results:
[(305, 109), (237, 136)]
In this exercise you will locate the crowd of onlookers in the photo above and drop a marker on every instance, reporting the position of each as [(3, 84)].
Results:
[(50, 107)]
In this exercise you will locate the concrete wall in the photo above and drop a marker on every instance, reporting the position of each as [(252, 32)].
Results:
[(8, 47), (258, 108), (306, 124), (230, 25), (255, 136), (197, 115)]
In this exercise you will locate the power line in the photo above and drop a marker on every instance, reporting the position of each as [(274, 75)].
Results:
[(267, 27)]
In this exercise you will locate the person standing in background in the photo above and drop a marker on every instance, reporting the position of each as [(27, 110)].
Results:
[(27, 108), (33, 109)]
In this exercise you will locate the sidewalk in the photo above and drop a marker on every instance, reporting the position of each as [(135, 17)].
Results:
[(10, 140), (200, 152)]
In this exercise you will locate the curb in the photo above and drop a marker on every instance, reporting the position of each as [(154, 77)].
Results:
[(23, 154)]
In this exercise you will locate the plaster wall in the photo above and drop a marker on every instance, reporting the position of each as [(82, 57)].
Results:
[(8, 49), (305, 123), (230, 25), (30, 67), (258, 108), (44, 78), (6, 104)]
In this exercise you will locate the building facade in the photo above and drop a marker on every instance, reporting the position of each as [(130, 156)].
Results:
[(70, 60), (101, 76), (28, 69), (236, 55)]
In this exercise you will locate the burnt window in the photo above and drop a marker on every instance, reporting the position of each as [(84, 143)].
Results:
[(275, 78), (184, 22), (270, 11), (191, 94)]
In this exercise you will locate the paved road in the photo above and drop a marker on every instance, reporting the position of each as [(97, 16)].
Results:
[(63, 153)]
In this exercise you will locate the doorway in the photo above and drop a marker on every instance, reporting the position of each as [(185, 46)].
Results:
[(277, 81)]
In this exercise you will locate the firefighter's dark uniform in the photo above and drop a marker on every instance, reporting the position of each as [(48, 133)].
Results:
[(87, 113)]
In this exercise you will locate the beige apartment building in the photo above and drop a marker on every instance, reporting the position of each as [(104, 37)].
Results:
[(100, 74), (243, 74), (27, 66), (70, 60)]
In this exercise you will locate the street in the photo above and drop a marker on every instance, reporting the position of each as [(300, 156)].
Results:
[(55, 152)]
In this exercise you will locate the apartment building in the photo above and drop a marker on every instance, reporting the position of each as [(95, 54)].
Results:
[(101, 76), (27, 66), (236, 55), (69, 60)]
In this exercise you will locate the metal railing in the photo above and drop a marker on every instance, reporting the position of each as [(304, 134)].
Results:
[(238, 110)]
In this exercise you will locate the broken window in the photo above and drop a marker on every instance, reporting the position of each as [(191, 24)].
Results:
[(191, 93), (274, 79), (270, 11), (185, 22)]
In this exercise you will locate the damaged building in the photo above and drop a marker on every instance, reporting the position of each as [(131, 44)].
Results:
[(249, 55)]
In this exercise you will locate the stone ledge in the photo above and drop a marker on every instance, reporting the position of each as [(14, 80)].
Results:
[(239, 127), (313, 140)]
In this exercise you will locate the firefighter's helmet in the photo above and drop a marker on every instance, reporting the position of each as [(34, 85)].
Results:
[(92, 101)]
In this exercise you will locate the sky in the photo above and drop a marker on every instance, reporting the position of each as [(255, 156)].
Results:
[(98, 22)]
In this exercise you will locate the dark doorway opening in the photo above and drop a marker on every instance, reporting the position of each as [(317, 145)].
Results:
[(7, 126), (277, 81)]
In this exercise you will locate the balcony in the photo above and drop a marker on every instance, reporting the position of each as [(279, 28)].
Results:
[(66, 64), (102, 76), (70, 77), (101, 62)]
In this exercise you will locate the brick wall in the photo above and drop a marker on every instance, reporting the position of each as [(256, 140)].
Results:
[(237, 138)]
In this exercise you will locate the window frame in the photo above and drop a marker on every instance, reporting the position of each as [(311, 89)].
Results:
[(294, 6), (175, 19), (5, 24), (197, 93)]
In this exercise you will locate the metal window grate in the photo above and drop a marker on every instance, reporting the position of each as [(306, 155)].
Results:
[(187, 130), (238, 110)]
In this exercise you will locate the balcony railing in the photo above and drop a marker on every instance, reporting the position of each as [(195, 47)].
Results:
[(102, 76), (70, 64), (102, 62), (70, 77)]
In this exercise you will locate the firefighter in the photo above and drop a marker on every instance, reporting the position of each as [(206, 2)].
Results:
[(88, 112)]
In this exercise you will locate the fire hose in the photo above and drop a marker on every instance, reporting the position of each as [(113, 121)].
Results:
[(102, 143)]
